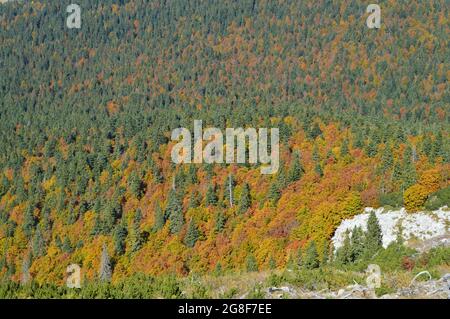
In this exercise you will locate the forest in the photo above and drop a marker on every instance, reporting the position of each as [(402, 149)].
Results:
[(86, 114)]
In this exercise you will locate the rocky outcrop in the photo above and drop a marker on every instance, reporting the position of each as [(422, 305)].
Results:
[(422, 229)]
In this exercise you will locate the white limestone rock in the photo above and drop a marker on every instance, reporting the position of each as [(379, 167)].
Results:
[(421, 225)]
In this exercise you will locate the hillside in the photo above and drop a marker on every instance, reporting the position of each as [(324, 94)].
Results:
[(86, 117)]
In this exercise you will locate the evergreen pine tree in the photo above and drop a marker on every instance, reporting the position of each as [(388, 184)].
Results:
[(344, 148), (136, 236), (296, 169), (318, 169), (343, 254), (311, 257), (325, 253), (191, 176), (299, 261), (192, 235), (174, 213), (356, 244), (387, 159), (120, 234), (211, 196), (272, 263), (251, 263), (374, 236), (159, 218), (67, 245), (245, 199), (38, 243), (220, 221), (274, 193), (194, 200), (29, 221)]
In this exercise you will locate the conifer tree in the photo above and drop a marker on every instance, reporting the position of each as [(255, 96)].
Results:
[(220, 221), (296, 169), (311, 257), (344, 148), (374, 236), (38, 243), (357, 244), (251, 263), (120, 234), (211, 196), (274, 193), (137, 239), (195, 199), (192, 235), (343, 254), (29, 221), (318, 169), (174, 213), (159, 218), (300, 260), (67, 245), (245, 199), (191, 176), (325, 253), (272, 263)]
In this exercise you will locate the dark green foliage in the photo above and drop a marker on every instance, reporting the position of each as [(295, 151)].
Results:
[(38, 243), (296, 170), (311, 256), (387, 158), (274, 193), (325, 254), (357, 244), (344, 148), (343, 254), (136, 185), (374, 237), (438, 199), (120, 234), (251, 263), (299, 262), (192, 235), (191, 176), (159, 218), (394, 200), (220, 221), (174, 212), (245, 200), (211, 196), (67, 245), (195, 199), (29, 221), (318, 169), (272, 263)]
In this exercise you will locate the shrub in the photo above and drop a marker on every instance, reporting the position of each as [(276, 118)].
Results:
[(393, 200), (415, 197), (438, 199)]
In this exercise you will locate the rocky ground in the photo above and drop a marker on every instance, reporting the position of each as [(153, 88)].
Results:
[(432, 289), (431, 228)]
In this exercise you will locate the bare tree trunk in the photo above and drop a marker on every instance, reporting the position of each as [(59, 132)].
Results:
[(230, 190)]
